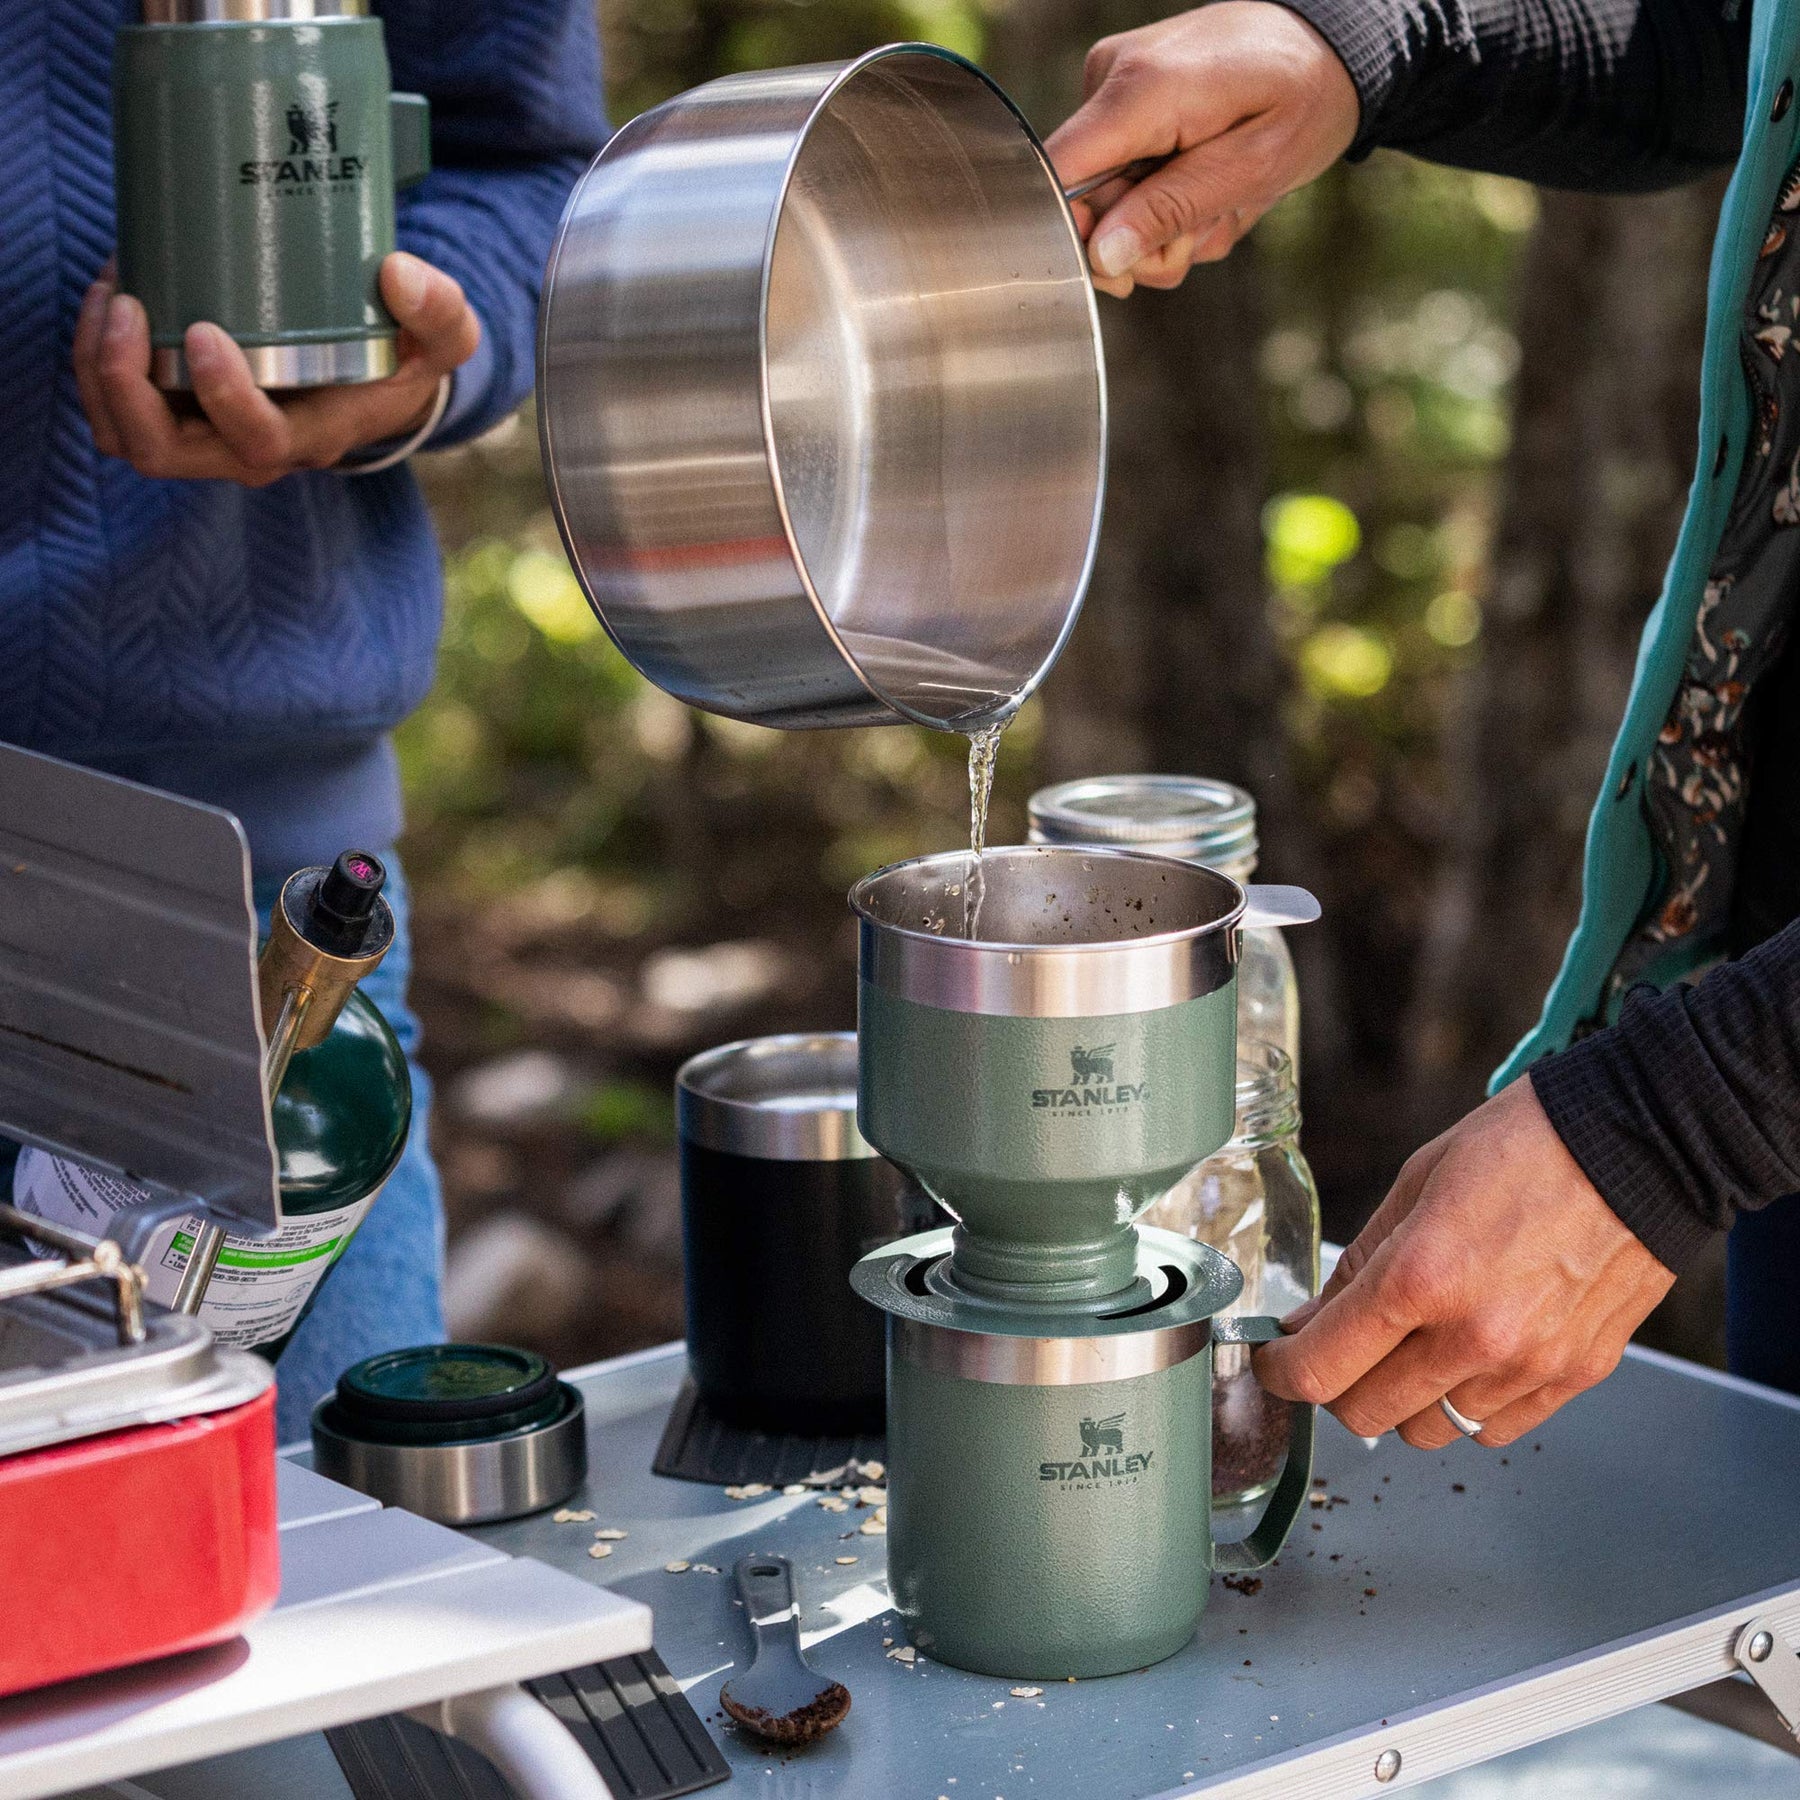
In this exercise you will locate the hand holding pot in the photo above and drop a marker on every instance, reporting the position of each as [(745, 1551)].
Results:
[(1493, 1275), (1248, 101), (247, 435)]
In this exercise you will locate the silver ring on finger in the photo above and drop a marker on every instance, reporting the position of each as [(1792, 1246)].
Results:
[(1463, 1423)]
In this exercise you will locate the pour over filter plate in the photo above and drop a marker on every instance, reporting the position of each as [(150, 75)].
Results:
[(1166, 1318)]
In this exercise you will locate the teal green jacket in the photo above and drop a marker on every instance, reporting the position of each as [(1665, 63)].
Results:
[(1620, 872)]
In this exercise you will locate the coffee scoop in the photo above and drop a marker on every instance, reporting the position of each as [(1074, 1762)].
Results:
[(780, 1697)]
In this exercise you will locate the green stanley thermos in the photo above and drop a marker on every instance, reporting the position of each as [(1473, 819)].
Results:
[(257, 147), (341, 1106)]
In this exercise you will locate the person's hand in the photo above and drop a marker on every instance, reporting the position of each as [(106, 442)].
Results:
[(1248, 97), (242, 434), (1493, 1274)]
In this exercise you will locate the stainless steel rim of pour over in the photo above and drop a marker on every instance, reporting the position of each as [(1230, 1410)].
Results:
[(250, 12), (338, 363), (821, 395), (1065, 932), (790, 1098)]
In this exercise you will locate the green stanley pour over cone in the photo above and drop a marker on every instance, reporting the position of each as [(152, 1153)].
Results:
[(341, 1111), (1049, 1365)]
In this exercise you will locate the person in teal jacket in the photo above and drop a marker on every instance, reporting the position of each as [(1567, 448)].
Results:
[(1515, 1255)]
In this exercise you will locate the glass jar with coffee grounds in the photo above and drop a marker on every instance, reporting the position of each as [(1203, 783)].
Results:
[(1256, 1202), (1198, 820)]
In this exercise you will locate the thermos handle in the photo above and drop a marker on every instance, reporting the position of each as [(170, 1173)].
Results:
[(409, 118), (1263, 1544)]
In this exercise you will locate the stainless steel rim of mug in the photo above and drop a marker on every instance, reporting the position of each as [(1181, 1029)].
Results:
[(250, 12), (462, 1484), (335, 364), (738, 1098), (1009, 1361), (1044, 980)]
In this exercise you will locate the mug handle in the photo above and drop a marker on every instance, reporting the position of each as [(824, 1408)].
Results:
[(1264, 1543), (409, 119)]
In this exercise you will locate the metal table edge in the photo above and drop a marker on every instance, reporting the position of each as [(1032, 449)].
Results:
[(632, 1359), (111, 1762), (1506, 1716)]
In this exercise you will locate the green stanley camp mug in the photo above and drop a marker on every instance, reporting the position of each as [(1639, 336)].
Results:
[(257, 147), (1050, 1481)]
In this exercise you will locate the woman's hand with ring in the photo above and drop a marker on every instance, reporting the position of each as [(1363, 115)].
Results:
[(1494, 1276)]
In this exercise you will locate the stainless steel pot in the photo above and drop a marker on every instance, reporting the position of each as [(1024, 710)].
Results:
[(821, 395)]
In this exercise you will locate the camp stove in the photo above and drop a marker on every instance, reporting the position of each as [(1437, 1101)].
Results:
[(136, 1455), (135, 1450)]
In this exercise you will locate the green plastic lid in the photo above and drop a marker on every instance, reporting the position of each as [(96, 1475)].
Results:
[(447, 1393)]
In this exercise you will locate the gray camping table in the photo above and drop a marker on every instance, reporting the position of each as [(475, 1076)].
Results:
[(1443, 1608)]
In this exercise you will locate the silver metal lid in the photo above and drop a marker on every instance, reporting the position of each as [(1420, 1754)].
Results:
[(1188, 816), (250, 12), (64, 1374), (1063, 932), (791, 1099)]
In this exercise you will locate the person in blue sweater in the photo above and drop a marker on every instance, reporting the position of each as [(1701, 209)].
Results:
[(222, 606)]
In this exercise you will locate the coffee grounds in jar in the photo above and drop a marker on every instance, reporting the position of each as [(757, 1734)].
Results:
[(1250, 1434)]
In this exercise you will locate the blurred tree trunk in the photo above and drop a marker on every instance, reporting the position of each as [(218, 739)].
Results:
[(1174, 666), (1605, 415)]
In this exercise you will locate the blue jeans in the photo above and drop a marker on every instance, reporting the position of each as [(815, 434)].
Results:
[(385, 1292), (1762, 1295)]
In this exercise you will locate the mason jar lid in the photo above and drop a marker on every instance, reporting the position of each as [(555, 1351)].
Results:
[(1189, 816), (788, 1099)]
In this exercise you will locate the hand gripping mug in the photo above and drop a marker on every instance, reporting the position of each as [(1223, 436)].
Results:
[(257, 148)]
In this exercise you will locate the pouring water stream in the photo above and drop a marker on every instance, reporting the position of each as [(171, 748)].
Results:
[(984, 752)]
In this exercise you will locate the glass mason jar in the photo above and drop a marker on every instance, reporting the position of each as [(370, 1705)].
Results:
[(1255, 1202), (1202, 821)]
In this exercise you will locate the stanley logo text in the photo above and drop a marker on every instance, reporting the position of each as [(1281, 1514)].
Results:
[(1091, 1082), (1103, 1455), (312, 152)]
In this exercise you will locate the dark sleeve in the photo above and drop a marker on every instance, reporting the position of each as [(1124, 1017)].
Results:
[(1603, 95), (1688, 1109), (516, 115)]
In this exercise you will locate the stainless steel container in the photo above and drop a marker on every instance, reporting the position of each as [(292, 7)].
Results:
[(467, 1434), (821, 395)]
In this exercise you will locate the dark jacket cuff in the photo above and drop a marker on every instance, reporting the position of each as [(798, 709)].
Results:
[(1581, 1092), (1370, 38)]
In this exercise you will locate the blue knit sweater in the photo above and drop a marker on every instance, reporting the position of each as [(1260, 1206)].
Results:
[(254, 648)]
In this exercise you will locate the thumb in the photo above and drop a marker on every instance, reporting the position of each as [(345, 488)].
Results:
[(432, 310), (1184, 198)]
